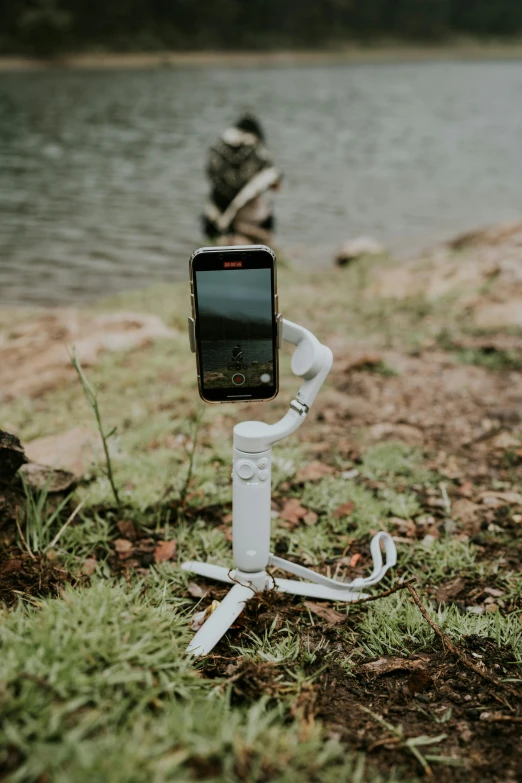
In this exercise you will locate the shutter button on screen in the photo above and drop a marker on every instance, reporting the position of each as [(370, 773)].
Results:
[(245, 470)]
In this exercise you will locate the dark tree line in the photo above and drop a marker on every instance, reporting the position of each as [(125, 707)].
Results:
[(48, 27)]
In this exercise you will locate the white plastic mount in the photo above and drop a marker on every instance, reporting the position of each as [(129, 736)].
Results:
[(251, 496)]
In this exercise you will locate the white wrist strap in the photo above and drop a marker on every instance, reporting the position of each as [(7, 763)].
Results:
[(379, 568)]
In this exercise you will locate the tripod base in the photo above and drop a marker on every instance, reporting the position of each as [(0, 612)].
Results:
[(245, 586)]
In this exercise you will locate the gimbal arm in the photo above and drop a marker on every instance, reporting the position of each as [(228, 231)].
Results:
[(311, 361)]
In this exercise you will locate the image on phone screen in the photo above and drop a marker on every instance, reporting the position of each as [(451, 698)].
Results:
[(236, 330)]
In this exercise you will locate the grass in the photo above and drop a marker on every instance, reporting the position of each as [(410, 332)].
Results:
[(41, 520), (395, 627), (491, 358), (396, 460), (95, 685)]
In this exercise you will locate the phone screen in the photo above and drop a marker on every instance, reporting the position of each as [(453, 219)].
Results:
[(235, 326)]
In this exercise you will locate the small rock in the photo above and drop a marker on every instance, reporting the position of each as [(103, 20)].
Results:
[(11, 455), (43, 477), (353, 249), (74, 450)]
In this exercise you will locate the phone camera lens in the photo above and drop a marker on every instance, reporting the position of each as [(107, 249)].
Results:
[(243, 255), (221, 255)]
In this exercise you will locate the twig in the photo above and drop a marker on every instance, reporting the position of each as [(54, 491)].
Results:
[(445, 498), (382, 595), (483, 436), (191, 454), (67, 521), (22, 538), (453, 649), (496, 716), (92, 399)]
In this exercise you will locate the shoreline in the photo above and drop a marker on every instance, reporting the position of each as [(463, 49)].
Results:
[(465, 51)]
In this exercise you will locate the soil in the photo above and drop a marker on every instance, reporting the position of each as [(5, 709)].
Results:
[(27, 576), (439, 697)]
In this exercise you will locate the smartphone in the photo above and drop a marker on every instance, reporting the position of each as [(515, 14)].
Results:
[(235, 322)]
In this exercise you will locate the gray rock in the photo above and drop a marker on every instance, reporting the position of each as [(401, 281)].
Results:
[(12, 455)]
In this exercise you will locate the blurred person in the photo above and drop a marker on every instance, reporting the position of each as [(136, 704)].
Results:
[(242, 174)]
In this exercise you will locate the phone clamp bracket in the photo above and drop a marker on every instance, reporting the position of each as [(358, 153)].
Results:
[(251, 506)]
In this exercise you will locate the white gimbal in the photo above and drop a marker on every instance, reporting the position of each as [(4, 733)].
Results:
[(251, 500)]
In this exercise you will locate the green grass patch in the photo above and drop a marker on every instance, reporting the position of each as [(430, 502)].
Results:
[(95, 686), (396, 627), (394, 460)]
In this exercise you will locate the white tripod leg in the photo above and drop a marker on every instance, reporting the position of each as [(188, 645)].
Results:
[(311, 590), (209, 570), (220, 620)]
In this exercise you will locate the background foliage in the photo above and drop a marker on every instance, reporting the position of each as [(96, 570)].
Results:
[(46, 27)]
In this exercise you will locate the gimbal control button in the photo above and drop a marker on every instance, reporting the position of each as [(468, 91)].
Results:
[(245, 470), (263, 475), (262, 463)]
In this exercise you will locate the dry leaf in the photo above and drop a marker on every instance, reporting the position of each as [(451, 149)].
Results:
[(466, 489), (313, 471), (465, 510), (310, 518), (343, 511), (292, 511), (127, 529), (227, 519), (122, 545), (195, 590), (509, 498), (450, 589), (226, 530), (89, 566), (387, 665), (12, 565), (165, 551), (200, 617), (325, 612), (355, 559), (494, 591)]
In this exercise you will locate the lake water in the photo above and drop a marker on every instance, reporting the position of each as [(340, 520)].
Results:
[(101, 172)]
